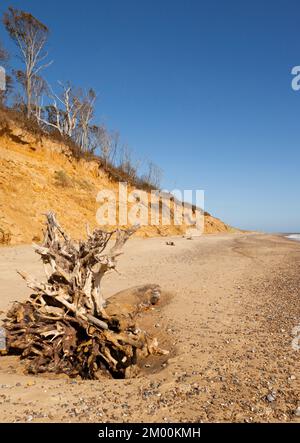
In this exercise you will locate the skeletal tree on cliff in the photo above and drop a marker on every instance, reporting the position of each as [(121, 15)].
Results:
[(154, 175), (85, 116), (98, 136), (113, 148), (107, 143), (63, 114), (127, 163), (39, 88), (30, 35)]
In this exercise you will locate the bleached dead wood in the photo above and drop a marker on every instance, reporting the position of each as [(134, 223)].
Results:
[(64, 326)]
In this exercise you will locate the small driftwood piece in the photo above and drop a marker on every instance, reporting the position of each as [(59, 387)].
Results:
[(63, 327)]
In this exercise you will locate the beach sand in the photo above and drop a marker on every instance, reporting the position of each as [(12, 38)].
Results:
[(232, 306)]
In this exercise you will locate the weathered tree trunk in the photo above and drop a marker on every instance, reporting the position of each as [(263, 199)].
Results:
[(63, 326), (28, 95)]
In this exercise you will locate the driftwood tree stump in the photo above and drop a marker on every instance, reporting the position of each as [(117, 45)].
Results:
[(63, 327)]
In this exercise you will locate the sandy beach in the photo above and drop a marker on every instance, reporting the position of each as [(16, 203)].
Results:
[(231, 308)]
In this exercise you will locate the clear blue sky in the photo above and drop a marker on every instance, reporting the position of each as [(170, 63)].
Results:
[(201, 87)]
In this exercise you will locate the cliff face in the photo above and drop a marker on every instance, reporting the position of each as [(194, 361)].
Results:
[(38, 175)]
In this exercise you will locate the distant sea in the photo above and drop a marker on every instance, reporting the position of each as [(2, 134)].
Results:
[(294, 237)]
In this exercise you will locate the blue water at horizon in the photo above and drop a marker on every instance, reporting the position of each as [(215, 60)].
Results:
[(294, 237)]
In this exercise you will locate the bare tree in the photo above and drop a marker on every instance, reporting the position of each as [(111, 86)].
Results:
[(85, 116), (154, 175), (98, 137), (30, 35), (114, 146), (39, 90), (70, 99), (71, 113), (127, 164), (107, 143), (63, 114), (53, 117)]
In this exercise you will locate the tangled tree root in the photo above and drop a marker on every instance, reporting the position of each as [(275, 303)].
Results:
[(64, 327)]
